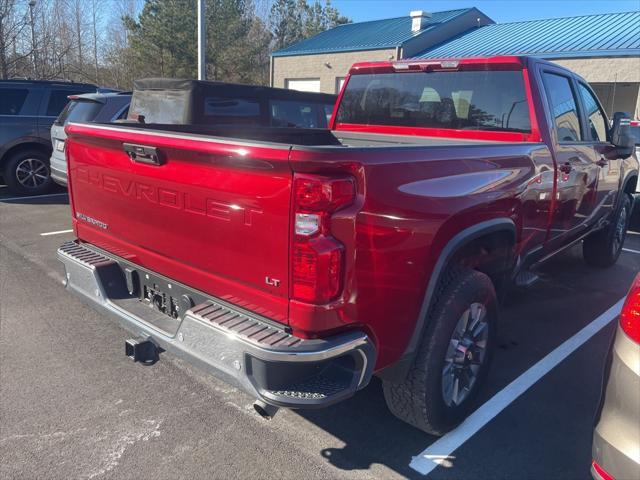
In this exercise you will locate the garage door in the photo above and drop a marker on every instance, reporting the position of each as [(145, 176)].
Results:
[(304, 84)]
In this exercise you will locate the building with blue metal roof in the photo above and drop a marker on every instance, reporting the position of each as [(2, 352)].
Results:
[(320, 63), (378, 34), (612, 34), (604, 48)]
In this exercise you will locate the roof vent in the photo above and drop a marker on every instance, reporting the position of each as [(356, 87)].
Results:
[(419, 20)]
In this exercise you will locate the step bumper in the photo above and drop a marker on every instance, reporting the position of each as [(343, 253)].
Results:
[(251, 352)]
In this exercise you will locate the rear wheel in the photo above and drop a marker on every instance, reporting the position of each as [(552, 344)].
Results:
[(602, 248), (453, 358), (28, 173)]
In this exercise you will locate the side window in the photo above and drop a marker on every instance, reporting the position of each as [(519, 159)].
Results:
[(597, 121), (11, 100), (564, 109), (57, 101)]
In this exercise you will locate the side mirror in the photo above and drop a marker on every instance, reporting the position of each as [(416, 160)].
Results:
[(621, 137)]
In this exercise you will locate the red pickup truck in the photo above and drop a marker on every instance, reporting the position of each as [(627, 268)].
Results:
[(298, 263)]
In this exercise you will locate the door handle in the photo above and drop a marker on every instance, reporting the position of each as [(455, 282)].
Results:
[(566, 167), (143, 154), (603, 162)]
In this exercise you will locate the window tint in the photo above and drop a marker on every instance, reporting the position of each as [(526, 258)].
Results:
[(84, 111), (237, 107), (597, 122), (57, 101), (470, 100), (62, 118), (287, 113), (159, 106), (11, 100), (563, 107)]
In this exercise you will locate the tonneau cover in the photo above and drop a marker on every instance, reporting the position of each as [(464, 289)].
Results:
[(193, 102)]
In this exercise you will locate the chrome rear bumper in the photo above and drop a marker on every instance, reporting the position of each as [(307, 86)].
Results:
[(254, 353)]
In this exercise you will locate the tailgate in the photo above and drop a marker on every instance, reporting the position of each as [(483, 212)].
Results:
[(212, 214)]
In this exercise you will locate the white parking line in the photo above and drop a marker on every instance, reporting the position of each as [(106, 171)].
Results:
[(439, 452), (56, 233), (630, 250), (33, 196)]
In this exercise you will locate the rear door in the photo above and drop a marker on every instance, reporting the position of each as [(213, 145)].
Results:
[(576, 169), (18, 114), (212, 214), (597, 136)]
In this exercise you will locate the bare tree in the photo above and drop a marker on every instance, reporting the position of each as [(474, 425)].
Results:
[(14, 21), (95, 18), (112, 42)]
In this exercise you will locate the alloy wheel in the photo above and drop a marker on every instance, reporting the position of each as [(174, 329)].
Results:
[(620, 231), (465, 355), (32, 173)]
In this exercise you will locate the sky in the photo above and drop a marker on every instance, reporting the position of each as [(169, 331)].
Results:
[(499, 10)]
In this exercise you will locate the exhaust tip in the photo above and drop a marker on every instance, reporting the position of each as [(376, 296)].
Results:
[(265, 410)]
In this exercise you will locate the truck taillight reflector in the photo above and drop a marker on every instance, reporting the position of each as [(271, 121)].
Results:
[(316, 256), (630, 315)]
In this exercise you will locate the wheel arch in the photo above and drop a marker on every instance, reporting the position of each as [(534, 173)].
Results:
[(453, 250), (23, 146)]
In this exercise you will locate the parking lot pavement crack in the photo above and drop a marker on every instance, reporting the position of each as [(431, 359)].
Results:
[(143, 432)]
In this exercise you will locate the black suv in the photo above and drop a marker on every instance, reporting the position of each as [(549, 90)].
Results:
[(28, 108)]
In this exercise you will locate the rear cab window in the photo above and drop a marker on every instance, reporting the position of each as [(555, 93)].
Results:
[(12, 100), (493, 100)]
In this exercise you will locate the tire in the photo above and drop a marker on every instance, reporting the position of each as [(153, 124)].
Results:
[(602, 248), (423, 399), (28, 173)]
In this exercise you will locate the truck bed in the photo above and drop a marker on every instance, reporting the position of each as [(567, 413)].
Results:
[(301, 136), (215, 212)]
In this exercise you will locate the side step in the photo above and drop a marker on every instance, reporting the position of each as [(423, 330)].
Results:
[(525, 279)]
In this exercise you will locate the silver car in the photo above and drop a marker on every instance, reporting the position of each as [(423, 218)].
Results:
[(616, 439), (89, 107)]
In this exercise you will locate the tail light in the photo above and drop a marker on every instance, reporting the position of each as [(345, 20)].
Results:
[(317, 258), (602, 474), (630, 315)]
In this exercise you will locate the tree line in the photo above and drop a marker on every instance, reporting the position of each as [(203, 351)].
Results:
[(113, 42)]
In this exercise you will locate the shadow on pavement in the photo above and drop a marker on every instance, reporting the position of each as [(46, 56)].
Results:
[(370, 432), (569, 295)]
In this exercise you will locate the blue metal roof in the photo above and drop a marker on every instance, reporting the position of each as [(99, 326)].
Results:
[(373, 35), (584, 36)]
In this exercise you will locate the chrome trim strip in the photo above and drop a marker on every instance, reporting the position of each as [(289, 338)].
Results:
[(193, 136)]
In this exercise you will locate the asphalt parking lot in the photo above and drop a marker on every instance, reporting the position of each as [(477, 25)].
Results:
[(73, 406)]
